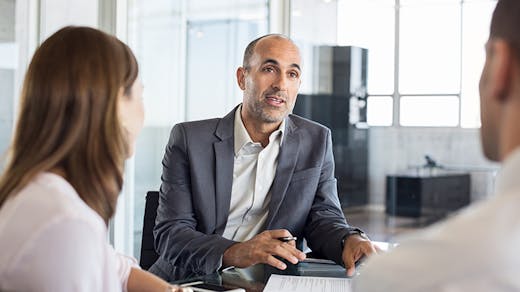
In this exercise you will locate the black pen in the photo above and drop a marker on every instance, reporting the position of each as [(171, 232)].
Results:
[(287, 238)]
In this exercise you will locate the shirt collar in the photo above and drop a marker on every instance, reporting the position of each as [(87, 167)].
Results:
[(242, 136)]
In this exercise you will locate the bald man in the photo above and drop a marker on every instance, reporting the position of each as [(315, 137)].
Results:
[(478, 249), (234, 187)]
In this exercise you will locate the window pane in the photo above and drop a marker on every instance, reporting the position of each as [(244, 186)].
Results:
[(156, 36), (217, 34), (433, 111), (8, 53), (370, 24), (305, 14), (314, 21), (430, 49), (380, 110), (475, 31), (427, 2), (9, 44)]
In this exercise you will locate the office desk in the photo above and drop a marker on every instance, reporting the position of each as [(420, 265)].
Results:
[(235, 279), (432, 195)]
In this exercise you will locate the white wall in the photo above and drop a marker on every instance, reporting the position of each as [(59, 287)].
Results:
[(394, 150)]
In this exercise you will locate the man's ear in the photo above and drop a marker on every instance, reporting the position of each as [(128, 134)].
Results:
[(241, 77), (501, 66)]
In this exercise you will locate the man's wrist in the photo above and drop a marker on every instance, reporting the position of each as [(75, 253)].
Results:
[(228, 256), (355, 231)]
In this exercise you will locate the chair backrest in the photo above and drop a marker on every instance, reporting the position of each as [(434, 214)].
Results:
[(148, 253)]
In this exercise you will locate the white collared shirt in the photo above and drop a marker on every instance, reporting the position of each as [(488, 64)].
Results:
[(50, 240), (476, 250), (253, 174)]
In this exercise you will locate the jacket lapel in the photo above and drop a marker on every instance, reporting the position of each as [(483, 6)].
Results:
[(224, 169), (286, 162)]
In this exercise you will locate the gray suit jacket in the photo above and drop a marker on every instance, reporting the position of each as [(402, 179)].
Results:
[(196, 189)]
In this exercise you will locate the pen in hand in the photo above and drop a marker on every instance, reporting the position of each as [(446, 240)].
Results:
[(287, 238), (297, 255)]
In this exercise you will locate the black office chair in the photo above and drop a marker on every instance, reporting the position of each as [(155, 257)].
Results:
[(148, 253)]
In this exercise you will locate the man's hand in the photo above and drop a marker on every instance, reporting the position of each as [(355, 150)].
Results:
[(261, 249), (354, 249)]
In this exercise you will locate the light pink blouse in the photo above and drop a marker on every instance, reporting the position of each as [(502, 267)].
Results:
[(50, 240)]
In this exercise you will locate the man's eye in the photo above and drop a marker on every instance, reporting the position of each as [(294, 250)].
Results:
[(268, 69), (294, 75)]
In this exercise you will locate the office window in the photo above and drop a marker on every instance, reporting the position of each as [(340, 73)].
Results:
[(476, 16), (313, 23), (429, 48), (379, 110), (429, 111), (420, 50), (8, 70), (370, 24), (188, 52)]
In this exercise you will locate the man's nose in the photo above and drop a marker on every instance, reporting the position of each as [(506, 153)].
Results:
[(280, 83)]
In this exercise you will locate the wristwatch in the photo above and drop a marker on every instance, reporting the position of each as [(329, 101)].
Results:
[(355, 231)]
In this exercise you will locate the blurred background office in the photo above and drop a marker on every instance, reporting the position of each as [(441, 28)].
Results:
[(408, 88)]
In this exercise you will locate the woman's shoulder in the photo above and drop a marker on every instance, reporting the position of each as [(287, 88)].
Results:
[(49, 196), (47, 222), (47, 201)]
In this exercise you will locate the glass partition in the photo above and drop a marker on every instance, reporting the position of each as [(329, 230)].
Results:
[(8, 66)]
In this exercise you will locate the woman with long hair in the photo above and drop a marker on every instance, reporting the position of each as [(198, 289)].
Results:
[(81, 110)]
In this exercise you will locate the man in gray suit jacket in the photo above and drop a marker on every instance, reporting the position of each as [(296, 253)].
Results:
[(233, 187)]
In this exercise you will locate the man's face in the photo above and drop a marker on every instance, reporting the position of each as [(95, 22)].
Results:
[(271, 81), (489, 109)]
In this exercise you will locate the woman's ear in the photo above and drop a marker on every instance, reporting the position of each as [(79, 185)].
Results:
[(241, 77)]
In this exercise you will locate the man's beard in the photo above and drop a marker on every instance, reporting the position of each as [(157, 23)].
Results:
[(259, 111)]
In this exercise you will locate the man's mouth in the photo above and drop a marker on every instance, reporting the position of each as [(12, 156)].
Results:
[(274, 100)]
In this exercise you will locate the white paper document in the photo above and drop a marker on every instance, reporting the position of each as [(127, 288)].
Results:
[(279, 283)]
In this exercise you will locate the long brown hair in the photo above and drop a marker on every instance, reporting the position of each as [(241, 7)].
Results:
[(68, 116)]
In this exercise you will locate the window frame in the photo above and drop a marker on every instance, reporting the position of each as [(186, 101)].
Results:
[(397, 95)]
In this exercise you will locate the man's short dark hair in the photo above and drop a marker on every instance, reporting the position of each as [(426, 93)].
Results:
[(505, 23), (250, 49)]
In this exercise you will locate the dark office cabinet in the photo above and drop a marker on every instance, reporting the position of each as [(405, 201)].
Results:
[(340, 105), (415, 196)]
